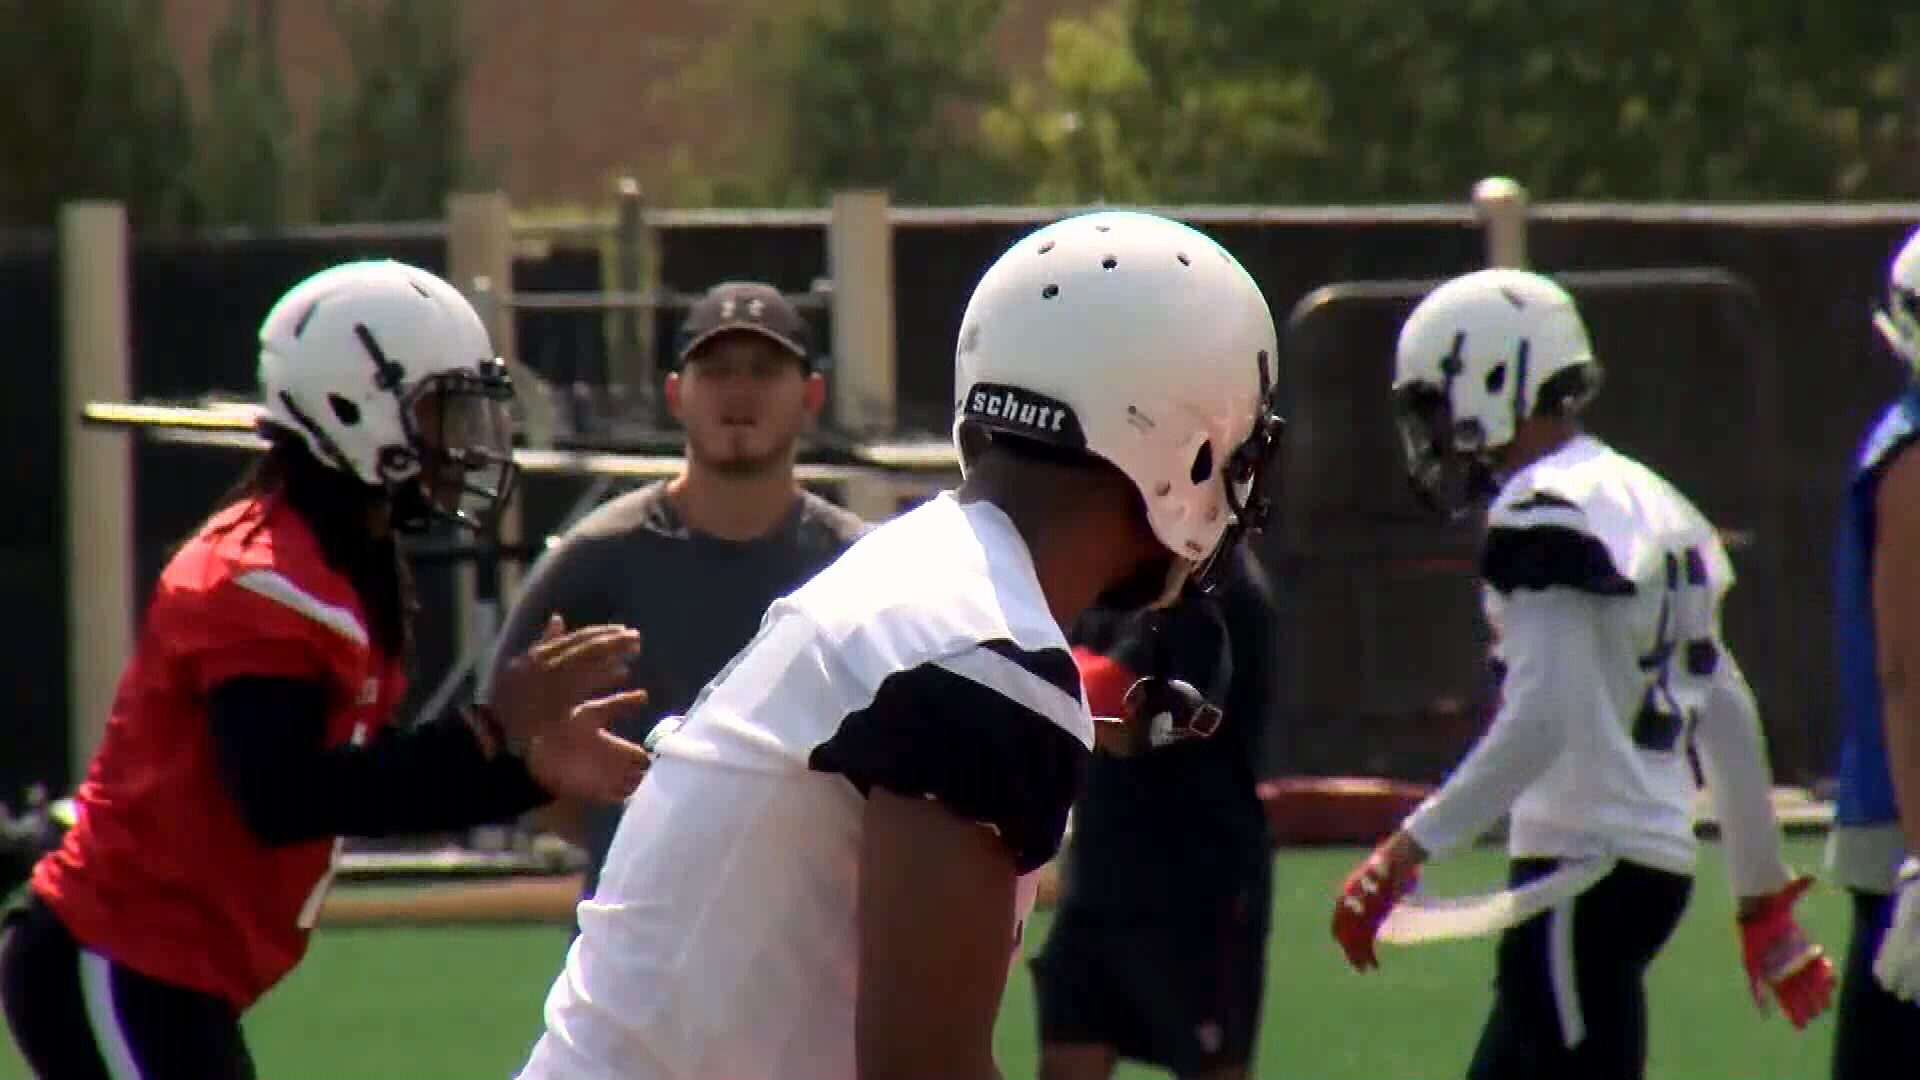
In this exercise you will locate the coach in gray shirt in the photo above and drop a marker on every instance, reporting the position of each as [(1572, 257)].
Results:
[(693, 562)]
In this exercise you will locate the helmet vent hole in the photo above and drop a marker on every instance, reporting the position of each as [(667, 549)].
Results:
[(1050, 291), (344, 410), (1101, 228), (1109, 263), (1202, 463), (1046, 247), (1496, 379), (1184, 261)]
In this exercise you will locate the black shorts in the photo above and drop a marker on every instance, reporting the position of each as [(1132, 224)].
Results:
[(1570, 998), (75, 1015), (1873, 1027), (1184, 996)]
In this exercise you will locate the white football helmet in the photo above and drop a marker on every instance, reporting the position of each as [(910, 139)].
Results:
[(1141, 341), (386, 372), (1477, 356), (1899, 321)]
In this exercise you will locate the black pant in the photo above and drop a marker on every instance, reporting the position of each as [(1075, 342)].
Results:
[(1570, 999), (1182, 993), (1873, 1027), (75, 1015)]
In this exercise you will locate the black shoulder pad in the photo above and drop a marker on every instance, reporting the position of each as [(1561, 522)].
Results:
[(1549, 556), (934, 732)]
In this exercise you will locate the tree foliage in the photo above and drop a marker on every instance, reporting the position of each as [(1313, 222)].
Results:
[(1377, 100), (92, 105), (1168, 101), (877, 93), (392, 142), (246, 156), (1126, 111)]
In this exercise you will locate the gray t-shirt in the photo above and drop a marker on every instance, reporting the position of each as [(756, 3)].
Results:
[(696, 599)]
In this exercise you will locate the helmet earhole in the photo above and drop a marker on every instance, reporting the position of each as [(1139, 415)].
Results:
[(1496, 379), (1109, 263), (344, 410), (1050, 291), (1184, 261), (396, 461), (1202, 463)]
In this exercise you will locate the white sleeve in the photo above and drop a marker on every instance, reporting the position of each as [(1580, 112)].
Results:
[(1553, 675), (1733, 757)]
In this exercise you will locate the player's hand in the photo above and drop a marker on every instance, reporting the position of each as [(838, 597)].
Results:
[(1133, 715), (1165, 711), (1156, 713), (1780, 959), (536, 692), (1897, 964), (583, 760), (1368, 895)]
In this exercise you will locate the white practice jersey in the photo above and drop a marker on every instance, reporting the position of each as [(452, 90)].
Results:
[(1603, 587), (722, 941)]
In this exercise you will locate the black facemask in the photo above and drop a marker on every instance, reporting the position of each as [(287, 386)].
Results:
[(468, 452), (1251, 473), (1448, 464)]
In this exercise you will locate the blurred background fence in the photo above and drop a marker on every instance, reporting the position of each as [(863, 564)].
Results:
[(1737, 341)]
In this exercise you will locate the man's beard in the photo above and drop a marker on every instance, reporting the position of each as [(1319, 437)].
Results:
[(720, 456)]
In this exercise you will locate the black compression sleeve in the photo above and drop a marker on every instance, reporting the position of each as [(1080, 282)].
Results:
[(267, 737)]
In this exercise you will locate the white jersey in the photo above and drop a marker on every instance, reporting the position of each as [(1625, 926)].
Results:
[(1603, 586), (721, 941)]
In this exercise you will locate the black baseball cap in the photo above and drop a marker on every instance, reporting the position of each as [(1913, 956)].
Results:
[(748, 306)]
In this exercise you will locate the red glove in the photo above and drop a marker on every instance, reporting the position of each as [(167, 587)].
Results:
[(1106, 682), (1779, 957), (1368, 895)]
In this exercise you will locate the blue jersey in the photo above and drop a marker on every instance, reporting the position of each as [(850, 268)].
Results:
[(1865, 785)]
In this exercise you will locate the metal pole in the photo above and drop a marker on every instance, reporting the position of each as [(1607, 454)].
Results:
[(628, 367), (860, 259), (1502, 207), (99, 467), (480, 261)]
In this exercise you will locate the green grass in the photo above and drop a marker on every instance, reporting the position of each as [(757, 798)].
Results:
[(462, 1003)]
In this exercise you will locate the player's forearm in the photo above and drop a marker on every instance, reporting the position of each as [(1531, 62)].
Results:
[(1900, 716), (1899, 671), (1896, 627), (1552, 677), (289, 788), (1733, 757), (1512, 754)]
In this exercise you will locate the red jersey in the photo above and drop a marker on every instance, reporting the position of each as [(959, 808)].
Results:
[(159, 873)]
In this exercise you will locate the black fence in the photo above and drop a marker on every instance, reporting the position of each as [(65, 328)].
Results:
[(1746, 372)]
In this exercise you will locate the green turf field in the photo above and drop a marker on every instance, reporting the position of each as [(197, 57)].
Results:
[(463, 1003)]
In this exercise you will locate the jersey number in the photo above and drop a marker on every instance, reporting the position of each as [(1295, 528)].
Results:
[(1683, 656)]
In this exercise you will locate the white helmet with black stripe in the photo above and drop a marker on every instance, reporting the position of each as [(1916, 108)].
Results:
[(1475, 358), (387, 372), (1141, 341)]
